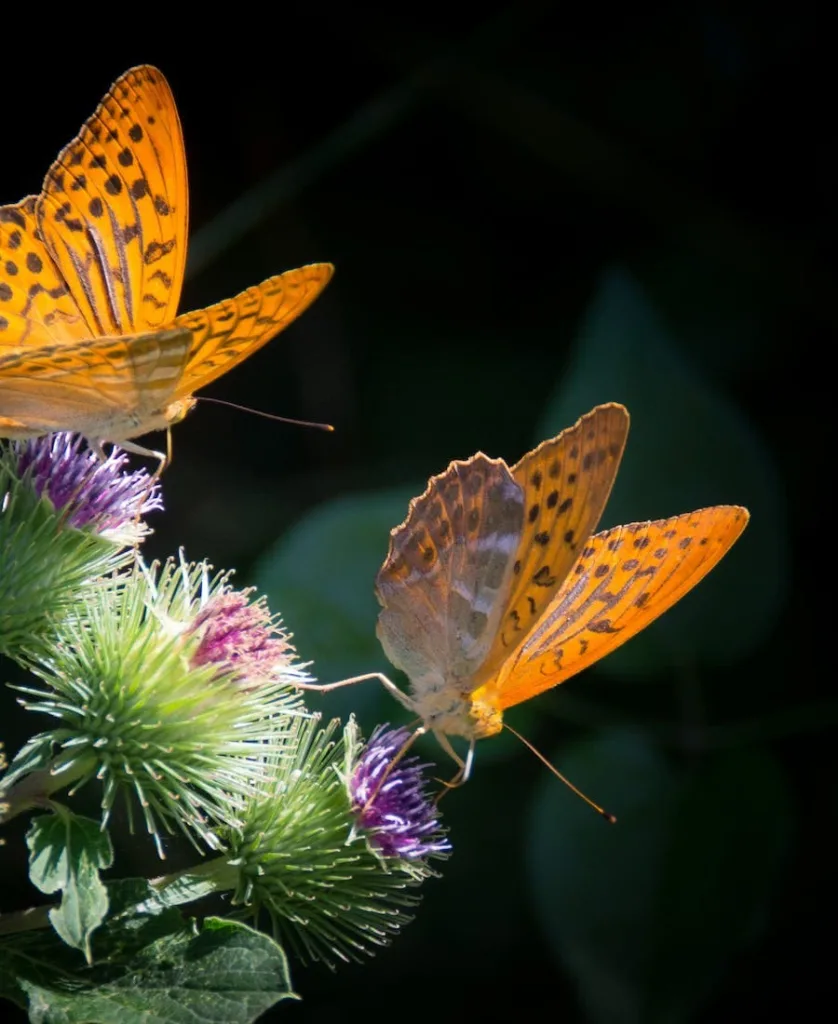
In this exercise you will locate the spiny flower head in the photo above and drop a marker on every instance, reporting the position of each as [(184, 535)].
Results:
[(300, 855), (225, 627), (139, 714), (243, 636), (86, 490), (390, 798), (67, 520)]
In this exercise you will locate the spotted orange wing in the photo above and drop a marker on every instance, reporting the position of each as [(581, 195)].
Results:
[(448, 564), (566, 482), (36, 307), (227, 333), (623, 580), (114, 209), (100, 255), (53, 374)]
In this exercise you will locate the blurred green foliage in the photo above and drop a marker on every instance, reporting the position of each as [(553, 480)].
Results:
[(650, 919)]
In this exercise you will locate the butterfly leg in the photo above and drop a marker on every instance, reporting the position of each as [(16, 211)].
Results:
[(136, 449), (445, 743), (163, 459), (96, 446), (465, 767), (388, 684)]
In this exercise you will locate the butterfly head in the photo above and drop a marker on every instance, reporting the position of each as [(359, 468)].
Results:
[(486, 719), (176, 411)]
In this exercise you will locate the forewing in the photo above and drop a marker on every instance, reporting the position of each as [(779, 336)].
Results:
[(443, 582), (623, 580), (114, 208), (36, 307), (227, 333), (566, 482)]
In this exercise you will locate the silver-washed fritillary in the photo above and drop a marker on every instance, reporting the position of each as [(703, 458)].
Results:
[(496, 588), (91, 272)]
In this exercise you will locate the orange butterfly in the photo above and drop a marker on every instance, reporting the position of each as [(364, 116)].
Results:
[(91, 272), (495, 587)]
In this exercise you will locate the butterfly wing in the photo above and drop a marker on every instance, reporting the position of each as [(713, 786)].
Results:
[(114, 209), (227, 333), (566, 482), (88, 387), (623, 580), (447, 565), (36, 307)]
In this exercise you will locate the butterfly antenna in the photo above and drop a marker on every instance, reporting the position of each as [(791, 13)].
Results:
[(268, 415), (600, 810)]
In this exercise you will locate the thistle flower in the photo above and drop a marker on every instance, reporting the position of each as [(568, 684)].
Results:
[(300, 857), (86, 490), (141, 714), (391, 801), (227, 630), (244, 637), (66, 519)]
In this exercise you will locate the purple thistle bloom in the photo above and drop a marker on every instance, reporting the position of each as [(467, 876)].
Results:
[(90, 492), (402, 820), (240, 636)]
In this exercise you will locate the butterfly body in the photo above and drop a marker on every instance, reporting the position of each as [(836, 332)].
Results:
[(448, 709), (118, 429), (91, 272), (111, 388), (496, 588)]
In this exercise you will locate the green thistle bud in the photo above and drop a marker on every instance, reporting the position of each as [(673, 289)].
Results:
[(303, 856), (66, 519), (147, 713)]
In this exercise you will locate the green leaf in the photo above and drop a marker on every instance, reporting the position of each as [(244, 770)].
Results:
[(185, 888), (151, 968), (647, 916), (688, 447), (66, 854), (35, 755), (320, 576)]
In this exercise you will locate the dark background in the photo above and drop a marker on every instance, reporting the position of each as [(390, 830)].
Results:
[(530, 212)]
